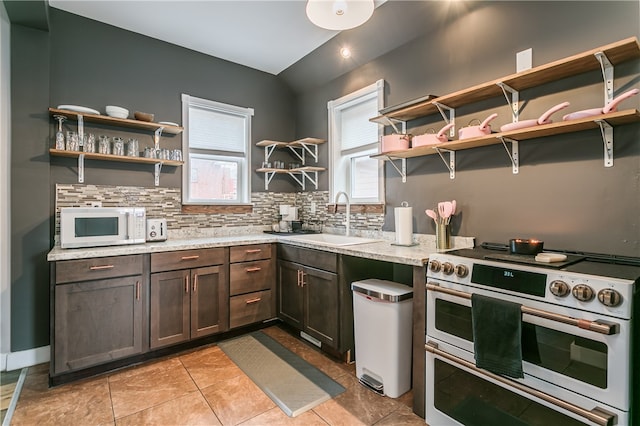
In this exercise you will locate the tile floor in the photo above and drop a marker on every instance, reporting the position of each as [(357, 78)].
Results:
[(200, 387)]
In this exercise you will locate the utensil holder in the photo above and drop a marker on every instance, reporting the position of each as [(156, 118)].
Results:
[(443, 236)]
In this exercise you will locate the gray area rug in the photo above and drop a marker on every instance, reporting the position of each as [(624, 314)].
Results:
[(292, 383)]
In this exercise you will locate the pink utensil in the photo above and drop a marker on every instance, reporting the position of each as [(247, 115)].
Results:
[(477, 131), (545, 118), (432, 214), (610, 107), (430, 138)]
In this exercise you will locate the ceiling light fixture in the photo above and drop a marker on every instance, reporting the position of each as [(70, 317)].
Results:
[(345, 52), (339, 15)]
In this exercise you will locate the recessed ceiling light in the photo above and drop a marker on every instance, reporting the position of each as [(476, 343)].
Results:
[(345, 52)]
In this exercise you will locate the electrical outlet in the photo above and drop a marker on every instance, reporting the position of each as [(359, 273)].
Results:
[(96, 204), (524, 60)]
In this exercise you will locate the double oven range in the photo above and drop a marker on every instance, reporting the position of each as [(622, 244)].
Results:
[(577, 339)]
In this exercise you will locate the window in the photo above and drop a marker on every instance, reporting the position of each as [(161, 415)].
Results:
[(352, 139), (217, 153)]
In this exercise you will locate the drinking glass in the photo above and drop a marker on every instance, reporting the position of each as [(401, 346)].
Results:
[(72, 141), (59, 133), (104, 145)]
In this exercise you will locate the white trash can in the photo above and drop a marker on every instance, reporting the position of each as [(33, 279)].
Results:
[(382, 327)]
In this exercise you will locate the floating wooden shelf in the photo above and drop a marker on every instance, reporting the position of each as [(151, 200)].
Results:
[(616, 53), (109, 157), (121, 122), (561, 127)]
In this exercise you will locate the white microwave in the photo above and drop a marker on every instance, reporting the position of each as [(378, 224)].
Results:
[(101, 226)]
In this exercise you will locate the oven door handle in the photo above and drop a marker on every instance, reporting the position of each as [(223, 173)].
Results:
[(608, 328), (597, 415)]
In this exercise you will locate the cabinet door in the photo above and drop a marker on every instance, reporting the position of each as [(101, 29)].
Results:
[(290, 294), (209, 301), (98, 321), (169, 310), (321, 305)]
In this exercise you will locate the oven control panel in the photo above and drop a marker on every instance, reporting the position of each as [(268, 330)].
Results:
[(605, 295)]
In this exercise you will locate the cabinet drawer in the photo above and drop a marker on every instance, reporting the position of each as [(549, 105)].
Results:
[(185, 259), (251, 252), (310, 257), (68, 271), (251, 276), (250, 308)]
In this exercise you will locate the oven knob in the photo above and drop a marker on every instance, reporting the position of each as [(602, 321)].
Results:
[(582, 292), (461, 271), (609, 297), (559, 288), (447, 268), (434, 266)]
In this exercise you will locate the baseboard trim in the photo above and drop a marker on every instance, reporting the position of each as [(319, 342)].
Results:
[(27, 358)]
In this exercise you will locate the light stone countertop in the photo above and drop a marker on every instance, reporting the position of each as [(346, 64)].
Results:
[(383, 250)]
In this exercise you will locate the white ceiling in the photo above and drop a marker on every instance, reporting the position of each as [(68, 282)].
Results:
[(268, 35)]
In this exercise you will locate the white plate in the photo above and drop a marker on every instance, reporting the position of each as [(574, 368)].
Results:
[(77, 108), (169, 123)]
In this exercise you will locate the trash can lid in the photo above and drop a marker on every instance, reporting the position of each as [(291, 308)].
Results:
[(382, 289)]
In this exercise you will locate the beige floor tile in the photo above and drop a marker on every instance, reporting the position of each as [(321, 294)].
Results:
[(80, 403), (402, 416), (363, 403), (190, 409), (139, 388), (209, 366), (335, 414), (276, 416), (237, 400)]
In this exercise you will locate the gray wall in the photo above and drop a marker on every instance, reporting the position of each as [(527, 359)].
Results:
[(563, 194)]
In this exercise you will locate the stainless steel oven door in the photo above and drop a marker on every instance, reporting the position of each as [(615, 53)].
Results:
[(458, 393), (559, 357)]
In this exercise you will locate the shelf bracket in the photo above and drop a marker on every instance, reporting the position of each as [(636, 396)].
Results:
[(307, 175), (268, 176), (392, 122), (607, 139), (268, 150), (450, 119), (156, 174), (607, 75), (512, 101), (307, 147), (513, 154), (299, 180), (451, 164), (81, 168), (156, 139)]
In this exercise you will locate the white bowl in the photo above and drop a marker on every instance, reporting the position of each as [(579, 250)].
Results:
[(116, 111)]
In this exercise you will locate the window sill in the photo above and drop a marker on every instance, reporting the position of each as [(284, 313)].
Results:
[(357, 208), (217, 209)]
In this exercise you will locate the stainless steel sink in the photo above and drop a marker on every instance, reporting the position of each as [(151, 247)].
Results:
[(332, 239)]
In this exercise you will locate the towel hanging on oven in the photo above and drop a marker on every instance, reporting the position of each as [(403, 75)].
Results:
[(497, 335)]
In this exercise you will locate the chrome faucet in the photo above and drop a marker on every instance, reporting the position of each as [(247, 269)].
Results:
[(348, 212)]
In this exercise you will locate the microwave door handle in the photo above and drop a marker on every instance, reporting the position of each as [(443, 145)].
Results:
[(601, 327), (597, 415), (126, 227)]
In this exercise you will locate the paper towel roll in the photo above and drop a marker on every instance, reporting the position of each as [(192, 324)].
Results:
[(404, 225)]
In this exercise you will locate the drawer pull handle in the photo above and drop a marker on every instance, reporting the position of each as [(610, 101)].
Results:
[(254, 269), (252, 251), (101, 267), (250, 301), (195, 283), (137, 290), (194, 257), (186, 284)]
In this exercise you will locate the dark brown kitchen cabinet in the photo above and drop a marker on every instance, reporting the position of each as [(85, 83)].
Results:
[(309, 297), (189, 295), (99, 311), (252, 284)]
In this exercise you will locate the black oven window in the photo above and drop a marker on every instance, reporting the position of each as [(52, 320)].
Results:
[(572, 356), (96, 226), (473, 401)]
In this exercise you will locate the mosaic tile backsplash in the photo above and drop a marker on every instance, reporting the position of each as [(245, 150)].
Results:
[(166, 203)]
